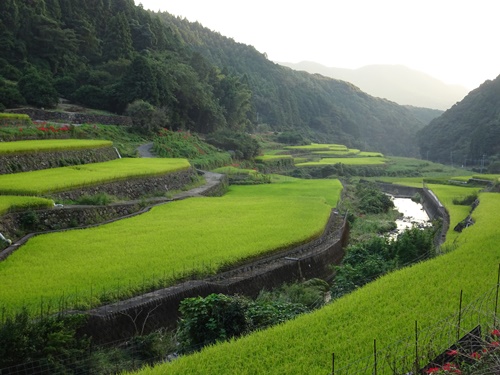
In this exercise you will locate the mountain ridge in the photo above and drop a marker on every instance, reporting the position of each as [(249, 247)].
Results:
[(397, 83)]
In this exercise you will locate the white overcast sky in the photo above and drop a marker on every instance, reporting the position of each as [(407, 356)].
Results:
[(456, 41)]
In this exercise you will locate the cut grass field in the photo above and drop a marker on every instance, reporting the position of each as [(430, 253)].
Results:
[(10, 203), (192, 236), (66, 178), (50, 145), (347, 161), (385, 310)]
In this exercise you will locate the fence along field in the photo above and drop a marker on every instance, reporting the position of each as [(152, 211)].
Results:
[(66, 178), (197, 235), (385, 310)]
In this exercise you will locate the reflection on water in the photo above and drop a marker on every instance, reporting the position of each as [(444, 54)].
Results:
[(413, 213)]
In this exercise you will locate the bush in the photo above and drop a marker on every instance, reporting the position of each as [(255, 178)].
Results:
[(242, 145), (38, 90), (371, 200), (208, 320), (10, 96)]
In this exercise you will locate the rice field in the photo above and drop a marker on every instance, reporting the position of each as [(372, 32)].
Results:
[(14, 203), (47, 145), (318, 147), (193, 236), (271, 158), (347, 161), (385, 310), (54, 180)]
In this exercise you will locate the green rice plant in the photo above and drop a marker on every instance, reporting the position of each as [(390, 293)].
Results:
[(370, 154), (318, 147), (170, 242), (385, 310), (10, 203), (270, 158), (14, 119), (66, 178), (347, 153), (48, 145), (347, 161)]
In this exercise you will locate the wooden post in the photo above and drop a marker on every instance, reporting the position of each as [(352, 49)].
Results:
[(416, 348), (375, 357), (496, 300), (333, 363), (459, 316)]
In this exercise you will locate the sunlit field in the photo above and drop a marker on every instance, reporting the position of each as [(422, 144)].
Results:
[(192, 236), (50, 145), (65, 178), (13, 203), (385, 310)]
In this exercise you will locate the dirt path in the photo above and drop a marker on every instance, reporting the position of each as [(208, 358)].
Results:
[(145, 150)]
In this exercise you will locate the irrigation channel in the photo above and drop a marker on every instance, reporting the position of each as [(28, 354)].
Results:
[(413, 214)]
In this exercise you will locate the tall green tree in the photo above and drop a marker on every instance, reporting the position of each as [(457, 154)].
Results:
[(118, 38)]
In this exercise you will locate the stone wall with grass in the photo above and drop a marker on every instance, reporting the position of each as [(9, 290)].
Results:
[(135, 188), (23, 162), (154, 310), (72, 117)]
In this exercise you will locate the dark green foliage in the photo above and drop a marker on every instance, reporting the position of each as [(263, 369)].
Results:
[(145, 118), (218, 317), (208, 320), (242, 145), (469, 132), (107, 54), (29, 220), (99, 199), (371, 200), (10, 96), (38, 90), (465, 201), (49, 342), (366, 261)]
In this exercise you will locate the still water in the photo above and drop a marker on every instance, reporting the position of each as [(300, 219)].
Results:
[(413, 213)]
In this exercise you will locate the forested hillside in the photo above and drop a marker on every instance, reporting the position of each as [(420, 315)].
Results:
[(109, 54), (468, 133)]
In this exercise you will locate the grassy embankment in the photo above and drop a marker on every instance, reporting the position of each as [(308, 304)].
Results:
[(193, 236), (385, 310)]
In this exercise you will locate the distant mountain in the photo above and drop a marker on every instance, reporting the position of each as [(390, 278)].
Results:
[(321, 108), (394, 82), (469, 132)]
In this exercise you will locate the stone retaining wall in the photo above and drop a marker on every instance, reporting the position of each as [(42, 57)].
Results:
[(32, 161), (151, 311), (72, 118), (134, 188)]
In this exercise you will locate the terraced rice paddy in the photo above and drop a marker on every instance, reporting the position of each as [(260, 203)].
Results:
[(50, 145), (15, 203), (385, 310), (66, 178), (197, 235)]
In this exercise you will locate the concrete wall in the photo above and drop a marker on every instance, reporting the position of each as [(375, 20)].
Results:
[(158, 309)]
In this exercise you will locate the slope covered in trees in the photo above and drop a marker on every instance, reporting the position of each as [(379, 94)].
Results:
[(469, 132), (109, 54)]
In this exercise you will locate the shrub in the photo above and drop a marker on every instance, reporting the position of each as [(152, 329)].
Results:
[(38, 90), (242, 145)]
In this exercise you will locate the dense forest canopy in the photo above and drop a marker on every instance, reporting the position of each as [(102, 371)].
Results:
[(108, 54), (469, 132)]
